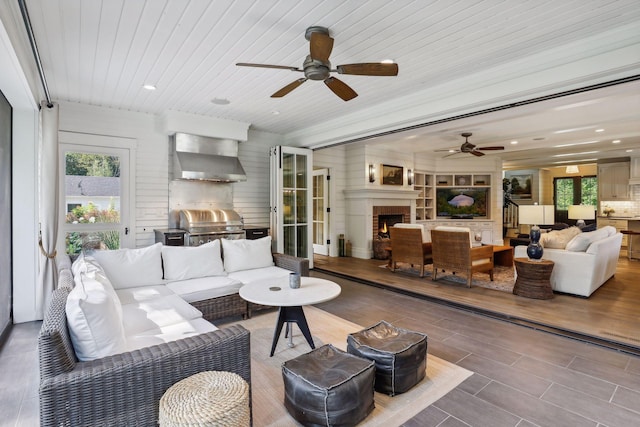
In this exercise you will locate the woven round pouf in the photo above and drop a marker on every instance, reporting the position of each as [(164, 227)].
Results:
[(210, 398)]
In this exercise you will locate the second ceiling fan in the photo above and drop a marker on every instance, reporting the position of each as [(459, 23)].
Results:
[(316, 66), (470, 148)]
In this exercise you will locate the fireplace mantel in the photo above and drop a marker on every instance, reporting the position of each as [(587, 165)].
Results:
[(366, 193)]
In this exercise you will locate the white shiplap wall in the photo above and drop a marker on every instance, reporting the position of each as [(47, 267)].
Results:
[(251, 197), (151, 162), (334, 159)]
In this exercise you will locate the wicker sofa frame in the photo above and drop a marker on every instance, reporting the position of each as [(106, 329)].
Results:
[(124, 389)]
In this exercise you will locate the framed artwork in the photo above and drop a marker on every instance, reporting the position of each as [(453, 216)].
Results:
[(392, 175), (521, 186)]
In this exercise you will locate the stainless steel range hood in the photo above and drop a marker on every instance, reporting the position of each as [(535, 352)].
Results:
[(206, 159)]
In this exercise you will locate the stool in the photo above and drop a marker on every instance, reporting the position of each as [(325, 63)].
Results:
[(400, 355), (210, 398), (329, 387)]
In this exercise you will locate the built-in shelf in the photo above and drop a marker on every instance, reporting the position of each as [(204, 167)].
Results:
[(426, 182)]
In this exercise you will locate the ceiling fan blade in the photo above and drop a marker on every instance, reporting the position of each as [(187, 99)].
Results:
[(477, 153), (340, 88), (452, 154), (321, 46), (369, 69), (288, 88), (490, 148), (280, 67)]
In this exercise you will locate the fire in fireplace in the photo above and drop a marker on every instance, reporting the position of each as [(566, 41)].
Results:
[(386, 221)]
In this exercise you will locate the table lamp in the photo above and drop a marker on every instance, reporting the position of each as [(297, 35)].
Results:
[(535, 215), (582, 212)]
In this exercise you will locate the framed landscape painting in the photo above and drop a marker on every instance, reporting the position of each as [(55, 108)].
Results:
[(392, 175), (521, 186)]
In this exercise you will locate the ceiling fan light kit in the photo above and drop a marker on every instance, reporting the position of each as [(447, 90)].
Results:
[(317, 66)]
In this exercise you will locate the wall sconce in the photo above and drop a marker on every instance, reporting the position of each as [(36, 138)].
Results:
[(372, 173), (409, 177)]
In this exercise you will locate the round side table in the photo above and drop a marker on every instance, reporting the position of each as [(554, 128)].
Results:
[(533, 278)]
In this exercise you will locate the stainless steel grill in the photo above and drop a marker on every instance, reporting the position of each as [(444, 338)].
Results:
[(206, 225)]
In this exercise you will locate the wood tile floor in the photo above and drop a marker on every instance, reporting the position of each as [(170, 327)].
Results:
[(523, 377)]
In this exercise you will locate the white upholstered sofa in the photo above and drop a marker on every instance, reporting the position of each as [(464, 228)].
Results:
[(584, 262)]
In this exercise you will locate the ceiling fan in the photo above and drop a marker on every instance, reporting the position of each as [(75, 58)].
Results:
[(317, 67), (468, 147)]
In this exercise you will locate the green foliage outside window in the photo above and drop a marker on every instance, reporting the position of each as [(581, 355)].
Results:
[(107, 239)]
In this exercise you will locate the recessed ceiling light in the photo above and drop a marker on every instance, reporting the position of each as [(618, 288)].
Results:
[(628, 151), (514, 142), (599, 130), (149, 87), (387, 61), (575, 143), (412, 137), (220, 101), (452, 151), (574, 154), (275, 113), (616, 141)]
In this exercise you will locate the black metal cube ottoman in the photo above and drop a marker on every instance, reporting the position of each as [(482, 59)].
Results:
[(400, 355), (328, 387)]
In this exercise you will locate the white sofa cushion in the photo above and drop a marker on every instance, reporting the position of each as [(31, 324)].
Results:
[(190, 262), (129, 268), (169, 333), (261, 274), (143, 293), (558, 239), (204, 288), (456, 229), (247, 254), (94, 317), (582, 241), (156, 313), (426, 235)]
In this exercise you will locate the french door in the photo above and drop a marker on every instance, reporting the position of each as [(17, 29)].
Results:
[(567, 191), (291, 201), (95, 194), (321, 212)]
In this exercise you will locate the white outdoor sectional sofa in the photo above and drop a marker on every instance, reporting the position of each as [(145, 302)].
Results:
[(125, 325), (582, 261)]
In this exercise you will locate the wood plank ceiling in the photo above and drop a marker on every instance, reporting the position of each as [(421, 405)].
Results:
[(102, 52)]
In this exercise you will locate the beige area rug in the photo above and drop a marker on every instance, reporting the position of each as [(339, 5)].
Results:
[(503, 277), (266, 372)]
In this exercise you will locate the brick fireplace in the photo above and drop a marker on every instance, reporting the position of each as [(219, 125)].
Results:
[(389, 214)]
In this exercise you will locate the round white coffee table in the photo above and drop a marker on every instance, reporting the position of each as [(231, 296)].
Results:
[(290, 301)]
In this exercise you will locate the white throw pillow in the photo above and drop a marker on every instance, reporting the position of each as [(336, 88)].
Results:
[(247, 254), (582, 241), (558, 239), (94, 318), (191, 262), (129, 268)]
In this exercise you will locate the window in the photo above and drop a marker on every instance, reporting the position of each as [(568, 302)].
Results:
[(94, 194), (573, 191)]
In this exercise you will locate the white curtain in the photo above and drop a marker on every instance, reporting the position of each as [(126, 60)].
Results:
[(48, 158)]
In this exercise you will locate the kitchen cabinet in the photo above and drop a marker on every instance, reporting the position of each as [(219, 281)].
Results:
[(634, 172), (619, 224), (613, 181)]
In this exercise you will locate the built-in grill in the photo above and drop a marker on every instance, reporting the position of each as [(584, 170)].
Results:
[(206, 225)]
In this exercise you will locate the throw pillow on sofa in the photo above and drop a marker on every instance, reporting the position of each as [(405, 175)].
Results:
[(94, 318), (130, 268), (558, 239), (192, 262), (582, 241), (246, 254)]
